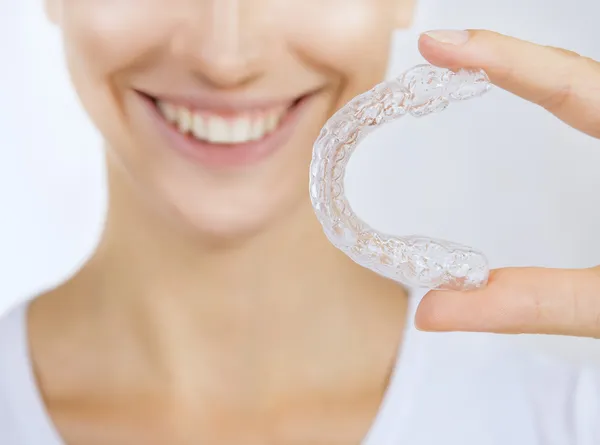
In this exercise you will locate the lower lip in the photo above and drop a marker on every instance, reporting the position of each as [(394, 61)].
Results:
[(228, 155)]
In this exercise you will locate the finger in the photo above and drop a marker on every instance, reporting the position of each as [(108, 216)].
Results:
[(561, 81), (520, 300)]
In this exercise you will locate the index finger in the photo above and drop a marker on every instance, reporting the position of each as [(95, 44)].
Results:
[(518, 301), (561, 81)]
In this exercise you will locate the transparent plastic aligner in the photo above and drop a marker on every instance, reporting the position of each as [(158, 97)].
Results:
[(417, 261)]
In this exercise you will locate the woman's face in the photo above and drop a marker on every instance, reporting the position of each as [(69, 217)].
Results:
[(210, 107)]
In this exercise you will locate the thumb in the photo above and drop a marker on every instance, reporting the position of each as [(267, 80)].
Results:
[(519, 301)]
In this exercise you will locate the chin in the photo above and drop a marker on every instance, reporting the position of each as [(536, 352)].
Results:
[(234, 220), (219, 228)]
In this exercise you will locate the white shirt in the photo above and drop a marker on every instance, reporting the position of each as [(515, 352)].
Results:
[(447, 389)]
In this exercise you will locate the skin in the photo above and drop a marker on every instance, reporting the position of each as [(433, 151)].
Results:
[(523, 300), (214, 310)]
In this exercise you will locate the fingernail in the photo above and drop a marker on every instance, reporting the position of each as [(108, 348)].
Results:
[(449, 36)]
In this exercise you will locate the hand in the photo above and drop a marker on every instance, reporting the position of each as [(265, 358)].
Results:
[(522, 300)]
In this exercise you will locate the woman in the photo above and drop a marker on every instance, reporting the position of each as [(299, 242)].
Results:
[(214, 310)]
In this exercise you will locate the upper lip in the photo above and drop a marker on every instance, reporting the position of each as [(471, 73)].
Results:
[(225, 103)]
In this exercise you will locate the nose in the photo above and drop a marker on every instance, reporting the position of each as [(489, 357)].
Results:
[(224, 41)]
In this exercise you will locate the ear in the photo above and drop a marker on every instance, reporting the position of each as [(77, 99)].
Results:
[(405, 11), (53, 10)]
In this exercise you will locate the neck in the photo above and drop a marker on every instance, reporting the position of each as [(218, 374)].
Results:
[(285, 289)]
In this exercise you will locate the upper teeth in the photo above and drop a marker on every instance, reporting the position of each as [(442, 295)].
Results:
[(218, 129)]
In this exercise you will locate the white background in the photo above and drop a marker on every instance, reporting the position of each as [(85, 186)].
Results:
[(496, 173)]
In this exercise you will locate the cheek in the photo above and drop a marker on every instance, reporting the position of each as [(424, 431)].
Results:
[(349, 37), (105, 37)]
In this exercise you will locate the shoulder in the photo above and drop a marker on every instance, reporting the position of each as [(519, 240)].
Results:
[(23, 417), (506, 389), (486, 389)]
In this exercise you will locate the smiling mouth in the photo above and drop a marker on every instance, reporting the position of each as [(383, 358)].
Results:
[(219, 133), (225, 127)]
